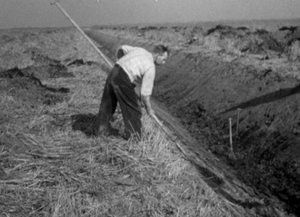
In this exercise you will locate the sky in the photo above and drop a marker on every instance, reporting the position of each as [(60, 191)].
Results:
[(39, 13)]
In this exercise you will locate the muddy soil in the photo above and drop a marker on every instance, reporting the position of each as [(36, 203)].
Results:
[(205, 91), (264, 109), (22, 85)]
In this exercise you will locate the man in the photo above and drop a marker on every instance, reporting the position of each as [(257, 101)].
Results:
[(135, 65)]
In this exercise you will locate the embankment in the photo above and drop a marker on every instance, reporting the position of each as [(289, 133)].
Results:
[(204, 92), (264, 108)]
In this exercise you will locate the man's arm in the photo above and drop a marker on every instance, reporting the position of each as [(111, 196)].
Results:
[(147, 103), (150, 111)]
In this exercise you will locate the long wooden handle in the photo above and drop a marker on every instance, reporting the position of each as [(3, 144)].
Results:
[(56, 3)]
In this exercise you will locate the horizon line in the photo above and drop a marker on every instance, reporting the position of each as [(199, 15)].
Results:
[(158, 23)]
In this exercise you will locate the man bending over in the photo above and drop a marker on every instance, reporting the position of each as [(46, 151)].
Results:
[(135, 65)]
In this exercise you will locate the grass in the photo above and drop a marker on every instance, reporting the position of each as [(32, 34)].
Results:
[(51, 170), (68, 174)]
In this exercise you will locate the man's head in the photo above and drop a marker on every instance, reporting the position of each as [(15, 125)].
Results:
[(160, 54)]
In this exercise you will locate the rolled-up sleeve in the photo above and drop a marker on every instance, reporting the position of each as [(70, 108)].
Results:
[(148, 81)]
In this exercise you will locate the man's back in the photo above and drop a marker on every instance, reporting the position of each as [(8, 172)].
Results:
[(138, 63)]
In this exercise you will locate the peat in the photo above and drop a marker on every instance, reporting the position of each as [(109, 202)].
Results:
[(204, 91), (24, 86), (266, 145)]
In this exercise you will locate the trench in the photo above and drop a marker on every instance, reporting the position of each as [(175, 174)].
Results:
[(264, 110), (196, 95)]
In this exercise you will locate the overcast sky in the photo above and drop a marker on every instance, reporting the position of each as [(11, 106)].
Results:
[(39, 13)]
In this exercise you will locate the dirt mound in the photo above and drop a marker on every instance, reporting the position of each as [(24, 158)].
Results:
[(48, 71), (290, 37), (79, 62), (241, 40), (228, 30), (294, 50), (24, 86), (236, 41), (290, 33), (293, 42)]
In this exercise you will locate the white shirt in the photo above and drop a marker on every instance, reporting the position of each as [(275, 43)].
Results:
[(139, 65)]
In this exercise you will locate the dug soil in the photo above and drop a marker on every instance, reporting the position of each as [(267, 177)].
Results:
[(208, 94), (25, 87), (263, 107)]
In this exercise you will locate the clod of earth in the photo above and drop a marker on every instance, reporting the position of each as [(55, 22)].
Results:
[(80, 62), (23, 85)]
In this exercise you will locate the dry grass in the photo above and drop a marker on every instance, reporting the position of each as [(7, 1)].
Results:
[(64, 173), (71, 175), (51, 170)]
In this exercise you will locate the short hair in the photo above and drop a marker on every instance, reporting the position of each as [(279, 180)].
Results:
[(160, 49)]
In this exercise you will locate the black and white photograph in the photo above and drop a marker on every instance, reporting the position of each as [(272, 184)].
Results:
[(149, 108)]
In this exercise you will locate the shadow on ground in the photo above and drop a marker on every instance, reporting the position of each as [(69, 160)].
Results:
[(84, 123), (277, 95)]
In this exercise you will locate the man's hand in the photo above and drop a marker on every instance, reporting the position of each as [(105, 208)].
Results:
[(147, 103), (150, 111)]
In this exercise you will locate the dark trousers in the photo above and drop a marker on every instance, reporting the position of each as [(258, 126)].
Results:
[(118, 88)]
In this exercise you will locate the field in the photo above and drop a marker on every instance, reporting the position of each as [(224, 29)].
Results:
[(51, 82)]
